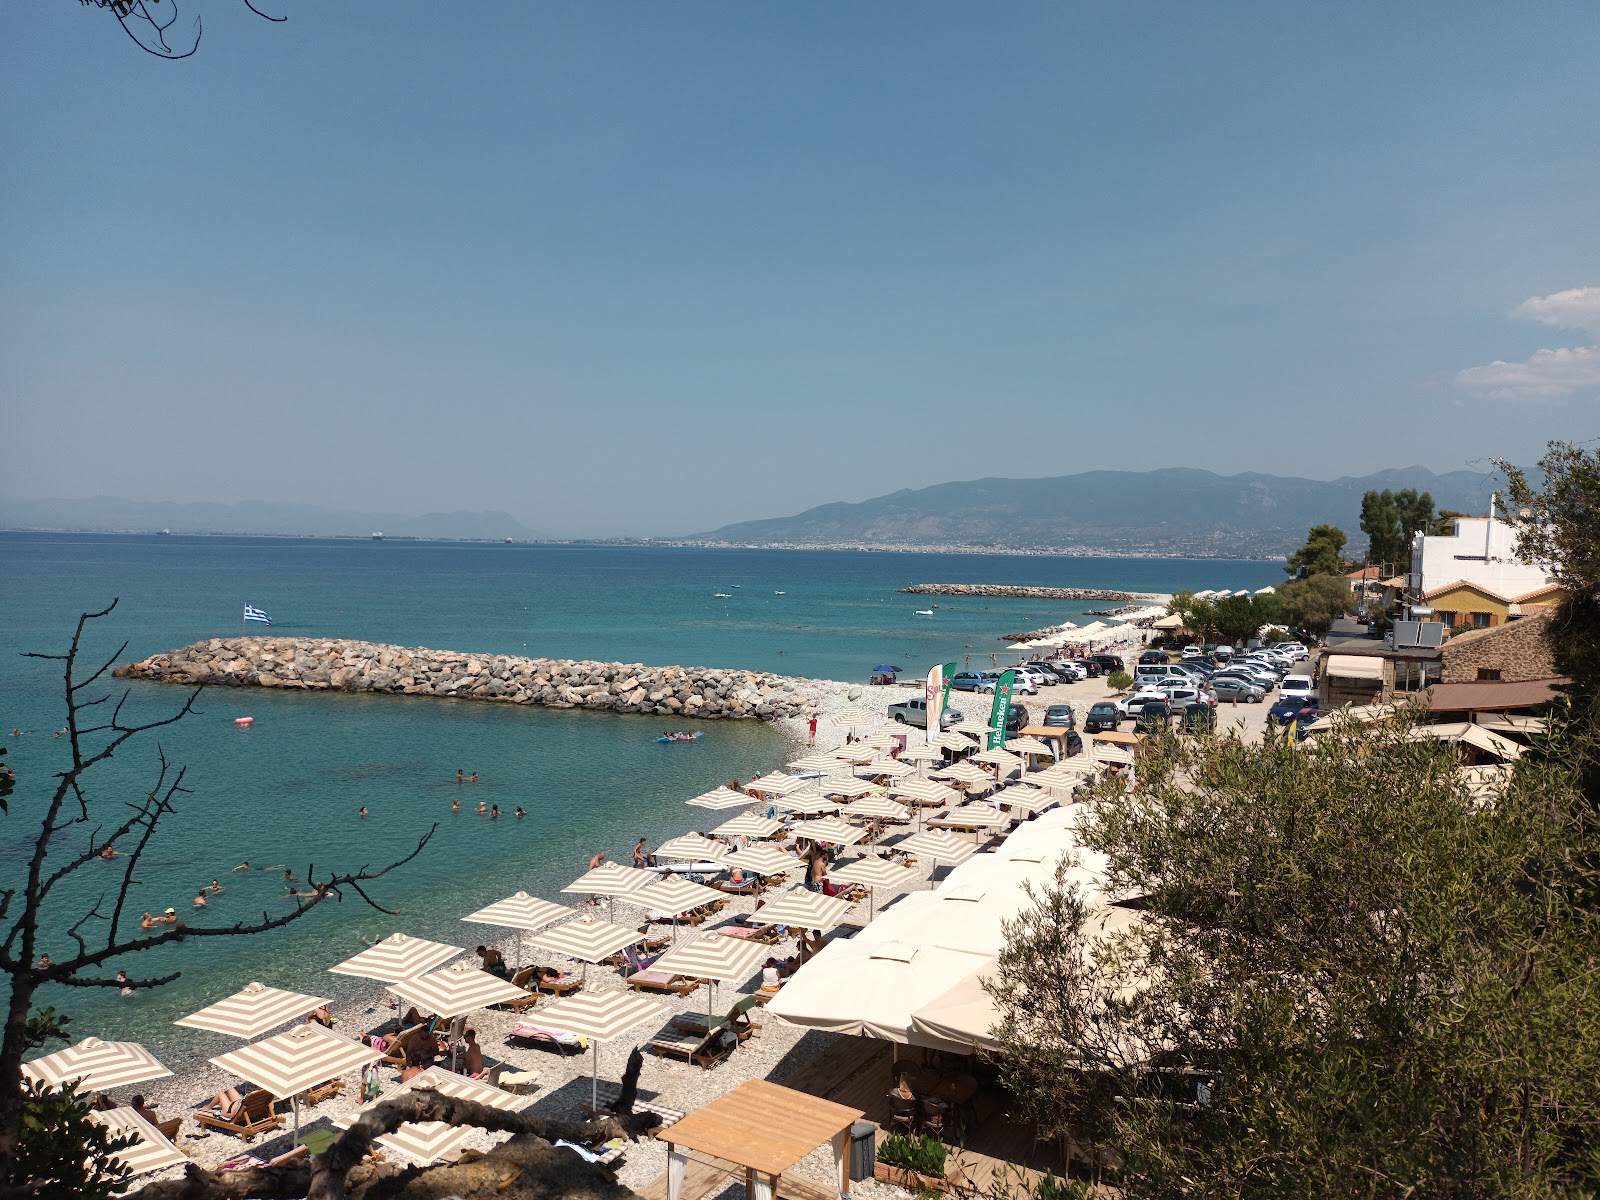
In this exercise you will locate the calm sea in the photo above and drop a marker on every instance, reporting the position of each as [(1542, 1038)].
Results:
[(287, 791)]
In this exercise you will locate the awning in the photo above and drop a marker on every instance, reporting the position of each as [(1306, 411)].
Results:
[(1355, 666)]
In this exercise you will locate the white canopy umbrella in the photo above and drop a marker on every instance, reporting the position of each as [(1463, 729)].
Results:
[(96, 1065), (937, 846), (814, 762), (857, 717), (856, 753), (764, 859), (521, 912), (295, 1060), (715, 957), (672, 897), (921, 752), (873, 873), (806, 802), (875, 808), (397, 957), (720, 798), (881, 741), (458, 989), (1027, 745), (926, 793), (426, 1142), (965, 1013), (849, 787), (150, 1151), (748, 825), (1026, 799), (950, 739), (588, 939), (892, 768), (600, 1017), (775, 784), (610, 880), (692, 847), (968, 775), (251, 1011), (805, 910), (871, 989), (830, 829)]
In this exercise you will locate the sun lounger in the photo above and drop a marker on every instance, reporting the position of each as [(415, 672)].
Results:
[(324, 1091), (533, 1037), (705, 1050), (524, 980), (169, 1129), (737, 1018), (767, 935), (394, 1053), (558, 987), (256, 1115), (662, 981), (748, 888)]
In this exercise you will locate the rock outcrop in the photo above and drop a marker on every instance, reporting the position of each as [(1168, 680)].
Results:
[(329, 664)]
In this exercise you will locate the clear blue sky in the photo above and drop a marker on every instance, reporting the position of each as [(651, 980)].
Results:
[(651, 268)]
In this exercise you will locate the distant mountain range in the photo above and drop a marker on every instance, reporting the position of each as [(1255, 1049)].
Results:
[(258, 517), (1171, 511)]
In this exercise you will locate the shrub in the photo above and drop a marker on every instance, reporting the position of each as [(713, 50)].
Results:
[(925, 1155), (1120, 681)]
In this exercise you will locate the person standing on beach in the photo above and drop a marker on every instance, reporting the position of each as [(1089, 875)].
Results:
[(811, 730), (643, 857)]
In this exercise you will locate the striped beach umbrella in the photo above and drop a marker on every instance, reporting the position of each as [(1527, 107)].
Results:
[(856, 753), (805, 910), (806, 802), (427, 1142), (847, 787), (715, 957), (719, 798), (964, 774), (873, 873), (926, 793), (875, 808), (692, 847), (1026, 799), (397, 957), (150, 1151), (96, 1065), (609, 879), (775, 784), (972, 817), (251, 1011), (815, 762), (674, 897), (600, 1017), (520, 911), (951, 740), (458, 989), (937, 846), (921, 752), (762, 859), (299, 1058), (891, 767), (748, 825), (879, 741), (830, 829), (996, 758), (1027, 745), (857, 717), (588, 939)]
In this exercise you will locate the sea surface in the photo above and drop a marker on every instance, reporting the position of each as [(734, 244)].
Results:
[(285, 793)]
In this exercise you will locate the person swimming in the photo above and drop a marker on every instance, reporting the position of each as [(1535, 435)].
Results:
[(520, 811), (494, 810), (482, 807), (363, 811), (455, 805)]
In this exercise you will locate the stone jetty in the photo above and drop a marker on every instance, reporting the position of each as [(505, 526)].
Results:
[(1007, 591), (328, 664)]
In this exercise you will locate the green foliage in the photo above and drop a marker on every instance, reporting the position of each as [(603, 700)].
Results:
[(62, 1152), (925, 1155), (1315, 602), (1323, 553), (1237, 619), (1390, 988), (45, 1025), (1119, 681), (1050, 1187), (1390, 518)]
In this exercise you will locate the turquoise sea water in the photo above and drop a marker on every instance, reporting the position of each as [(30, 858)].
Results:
[(287, 791)]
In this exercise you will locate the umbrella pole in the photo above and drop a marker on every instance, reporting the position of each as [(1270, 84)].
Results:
[(594, 1080), (296, 1140)]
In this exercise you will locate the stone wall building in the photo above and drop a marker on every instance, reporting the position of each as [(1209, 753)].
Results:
[(1519, 650)]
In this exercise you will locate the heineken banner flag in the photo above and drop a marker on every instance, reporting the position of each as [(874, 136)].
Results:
[(937, 689), (1001, 710), (949, 675)]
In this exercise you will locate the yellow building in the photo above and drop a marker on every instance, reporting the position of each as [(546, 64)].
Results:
[(1544, 599), (1461, 604)]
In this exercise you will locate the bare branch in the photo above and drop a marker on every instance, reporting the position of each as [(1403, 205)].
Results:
[(262, 15)]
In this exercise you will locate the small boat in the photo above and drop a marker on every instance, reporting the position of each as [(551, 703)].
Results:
[(738, 585), (923, 612), (780, 593), (244, 722), (666, 739), (720, 596)]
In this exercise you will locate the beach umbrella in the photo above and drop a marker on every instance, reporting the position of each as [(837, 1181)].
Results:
[(521, 912), (893, 768), (964, 774), (855, 753), (973, 817), (1027, 745), (251, 1011), (397, 957), (96, 1065), (887, 669), (879, 741), (458, 989), (775, 784), (715, 957), (609, 879), (857, 717), (1026, 799), (806, 803), (937, 846), (748, 825), (921, 753), (428, 1142), (830, 829), (299, 1058), (765, 859), (873, 873), (875, 808), (952, 740), (692, 847), (815, 762), (588, 939), (150, 1151), (997, 758), (722, 797), (849, 788), (925, 792), (674, 897), (804, 910), (600, 1017)]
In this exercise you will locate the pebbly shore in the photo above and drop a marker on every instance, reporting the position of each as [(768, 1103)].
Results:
[(330, 664), (1008, 591)]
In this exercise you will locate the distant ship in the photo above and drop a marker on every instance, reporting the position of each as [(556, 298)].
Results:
[(780, 593), (720, 596), (508, 541), (164, 533), (377, 537)]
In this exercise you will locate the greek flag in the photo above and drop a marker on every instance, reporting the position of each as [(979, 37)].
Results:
[(255, 614)]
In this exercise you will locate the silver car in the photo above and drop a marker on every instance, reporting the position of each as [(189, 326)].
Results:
[(1234, 690)]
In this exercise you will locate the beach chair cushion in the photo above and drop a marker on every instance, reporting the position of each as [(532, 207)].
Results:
[(662, 981)]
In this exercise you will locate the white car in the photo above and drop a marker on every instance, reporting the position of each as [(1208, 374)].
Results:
[(1129, 706), (1071, 669), (1296, 687), (1294, 650), (1180, 694), (1023, 683)]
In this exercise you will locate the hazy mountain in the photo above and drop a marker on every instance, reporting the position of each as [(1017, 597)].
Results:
[(111, 514), (1175, 510)]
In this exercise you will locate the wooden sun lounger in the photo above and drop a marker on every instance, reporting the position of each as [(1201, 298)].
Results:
[(767, 935), (394, 1054), (169, 1129), (521, 979), (532, 1036), (703, 1050), (662, 981), (737, 1019), (324, 1091), (558, 987), (748, 888), (257, 1115)]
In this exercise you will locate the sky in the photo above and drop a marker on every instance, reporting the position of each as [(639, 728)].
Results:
[(643, 268)]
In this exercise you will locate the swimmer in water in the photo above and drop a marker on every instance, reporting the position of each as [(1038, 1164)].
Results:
[(520, 813), (461, 776), (482, 807), (494, 810), (363, 811), (455, 805)]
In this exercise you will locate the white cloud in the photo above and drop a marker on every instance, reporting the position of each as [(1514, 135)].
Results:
[(1547, 374)]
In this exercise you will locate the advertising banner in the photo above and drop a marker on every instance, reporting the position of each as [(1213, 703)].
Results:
[(934, 693), (1001, 710)]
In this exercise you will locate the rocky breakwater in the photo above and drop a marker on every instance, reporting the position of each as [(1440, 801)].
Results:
[(327, 664), (1004, 590)]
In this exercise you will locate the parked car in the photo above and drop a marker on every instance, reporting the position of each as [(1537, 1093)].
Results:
[(1016, 718), (1053, 672), (1021, 683), (1302, 710), (1199, 718), (1108, 663), (1235, 689), (1153, 656), (1090, 668), (915, 712), (1299, 686), (1179, 694), (1192, 652), (1135, 703), (1070, 670), (1154, 714), (1103, 717), (1061, 716), (966, 681), (1295, 650)]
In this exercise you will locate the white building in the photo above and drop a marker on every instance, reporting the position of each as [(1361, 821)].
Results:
[(1481, 551)]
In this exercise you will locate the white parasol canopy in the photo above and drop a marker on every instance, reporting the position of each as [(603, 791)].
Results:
[(806, 910), (720, 798), (588, 938), (951, 740), (937, 845), (397, 957), (762, 859), (460, 988), (874, 873), (150, 1151), (856, 753), (875, 807), (520, 911), (1027, 745), (830, 829), (814, 762), (849, 787), (891, 767), (775, 784), (715, 956), (251, 1011), (96, 1065), (428, 1142), (921, 753), (674, 896), (600, 1017), (299, 1058), (806, 801), (609, 879), (748, 825), (925, 792), (692, 847)]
